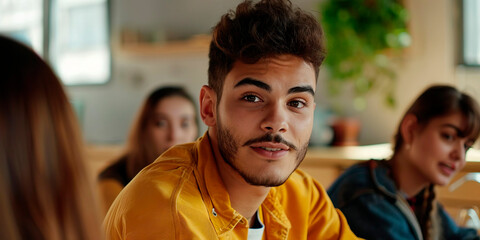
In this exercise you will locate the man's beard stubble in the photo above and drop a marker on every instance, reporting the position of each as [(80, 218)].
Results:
[(228, 148)]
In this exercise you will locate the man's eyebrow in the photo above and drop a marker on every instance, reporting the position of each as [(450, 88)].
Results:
[(251, 81), (260, 84), (301, 89)]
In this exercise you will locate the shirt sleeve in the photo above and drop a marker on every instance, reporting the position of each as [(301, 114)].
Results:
[(159, 205), (140, 212), (327, 222)]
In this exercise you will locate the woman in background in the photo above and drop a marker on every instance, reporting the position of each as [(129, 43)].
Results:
[(395, 198), (45, 192), (167, 117)]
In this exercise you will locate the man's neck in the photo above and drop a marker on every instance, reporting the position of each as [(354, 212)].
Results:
[(244, 197)]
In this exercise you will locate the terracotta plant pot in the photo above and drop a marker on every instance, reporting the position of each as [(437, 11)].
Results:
[(346, 132)]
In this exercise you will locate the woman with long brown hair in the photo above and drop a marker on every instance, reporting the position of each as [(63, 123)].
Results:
[(166, 118), (395, 198), (44, 186)]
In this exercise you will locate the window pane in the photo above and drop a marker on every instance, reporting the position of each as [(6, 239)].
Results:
[(22, 20), (79, 41), (471, 32)]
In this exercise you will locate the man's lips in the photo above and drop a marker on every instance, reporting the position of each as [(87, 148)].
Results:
[(269, 150), (269, 146)]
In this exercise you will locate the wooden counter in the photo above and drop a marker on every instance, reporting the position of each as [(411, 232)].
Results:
[(100, 156), (346, 156)]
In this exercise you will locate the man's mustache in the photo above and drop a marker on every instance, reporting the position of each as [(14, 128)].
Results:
[(270, 138)]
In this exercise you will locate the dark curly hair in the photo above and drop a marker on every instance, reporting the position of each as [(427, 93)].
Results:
[(266, 29)]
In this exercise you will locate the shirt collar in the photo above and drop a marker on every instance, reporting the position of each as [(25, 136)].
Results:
[(216, 197), (213, 190)]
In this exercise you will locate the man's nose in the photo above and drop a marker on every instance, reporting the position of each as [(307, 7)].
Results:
[(275, 119)]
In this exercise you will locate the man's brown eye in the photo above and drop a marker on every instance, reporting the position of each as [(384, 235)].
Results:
[(251, 98), (296, 104)]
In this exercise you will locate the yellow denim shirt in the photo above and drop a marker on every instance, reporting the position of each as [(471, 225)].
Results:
[(181, 196)]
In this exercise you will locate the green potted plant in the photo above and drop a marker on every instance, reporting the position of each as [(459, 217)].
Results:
[(363, 37)]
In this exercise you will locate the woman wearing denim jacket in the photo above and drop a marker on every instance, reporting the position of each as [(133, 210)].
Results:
[(395, 198)]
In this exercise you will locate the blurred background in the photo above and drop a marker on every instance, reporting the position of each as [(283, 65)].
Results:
[(112, 53)]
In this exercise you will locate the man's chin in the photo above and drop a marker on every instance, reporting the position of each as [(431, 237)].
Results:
[(267, 183), (265, 180)]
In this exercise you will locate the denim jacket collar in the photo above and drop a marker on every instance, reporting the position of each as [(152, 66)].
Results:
[(384, 182), (382, 179)]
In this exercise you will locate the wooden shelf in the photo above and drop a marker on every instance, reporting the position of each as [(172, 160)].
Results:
[(196, 45)]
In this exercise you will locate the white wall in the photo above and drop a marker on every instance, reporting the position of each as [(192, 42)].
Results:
[(109, 108), (429, 60)]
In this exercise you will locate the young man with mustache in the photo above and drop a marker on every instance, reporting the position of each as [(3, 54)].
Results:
[(240, 180)]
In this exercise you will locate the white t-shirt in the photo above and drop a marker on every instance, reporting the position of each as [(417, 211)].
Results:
[(256, 231)]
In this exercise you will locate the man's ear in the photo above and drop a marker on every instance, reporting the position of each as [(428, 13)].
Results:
[(408, 127), (208, 104)]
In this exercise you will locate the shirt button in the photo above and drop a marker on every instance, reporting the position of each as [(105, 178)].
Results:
[(213, 212)]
